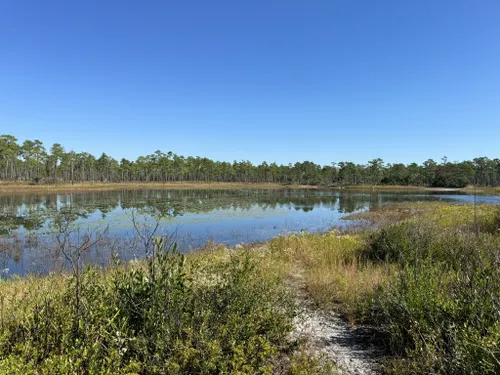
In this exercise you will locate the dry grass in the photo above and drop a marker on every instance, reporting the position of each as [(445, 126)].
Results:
[(330, 264), (12, 188), (483, 190), (387, 188), (18, 295), (335, 276), (389, 214), (345, 288), (443, 214), (22, 187), (480, 190)]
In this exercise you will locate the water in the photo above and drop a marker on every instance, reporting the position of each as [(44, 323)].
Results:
[(193, 217)]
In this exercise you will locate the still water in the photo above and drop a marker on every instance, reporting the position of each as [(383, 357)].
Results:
[(28, 223)]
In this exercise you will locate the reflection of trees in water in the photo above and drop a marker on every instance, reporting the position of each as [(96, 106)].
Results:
[(41, 254), (8, 249), (32, 211)]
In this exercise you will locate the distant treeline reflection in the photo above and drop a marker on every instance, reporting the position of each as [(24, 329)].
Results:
[(31, 212)]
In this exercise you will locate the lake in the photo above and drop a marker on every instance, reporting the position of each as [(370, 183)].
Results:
[(29, 223)]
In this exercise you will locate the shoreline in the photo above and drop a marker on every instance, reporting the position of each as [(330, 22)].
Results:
[(22, 188), (470, 190), (14, 188)]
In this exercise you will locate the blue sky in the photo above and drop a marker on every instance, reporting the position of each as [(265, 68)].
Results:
[(280, 81)]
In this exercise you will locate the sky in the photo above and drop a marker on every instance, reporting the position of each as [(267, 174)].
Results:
[(275, 80)]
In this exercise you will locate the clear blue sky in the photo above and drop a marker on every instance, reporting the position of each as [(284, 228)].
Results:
[(260, 80)]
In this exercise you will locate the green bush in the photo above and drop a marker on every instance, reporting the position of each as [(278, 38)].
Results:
[(223, 318), (414, 240), (441, 310)]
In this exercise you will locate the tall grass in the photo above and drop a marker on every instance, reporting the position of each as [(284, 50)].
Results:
[(334, 272)]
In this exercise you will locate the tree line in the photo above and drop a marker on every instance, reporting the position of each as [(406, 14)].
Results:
[(32, 162)]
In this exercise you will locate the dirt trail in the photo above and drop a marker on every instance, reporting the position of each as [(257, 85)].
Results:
[(329, 334)]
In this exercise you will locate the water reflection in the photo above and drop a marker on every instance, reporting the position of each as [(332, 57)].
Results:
[(196, 216)]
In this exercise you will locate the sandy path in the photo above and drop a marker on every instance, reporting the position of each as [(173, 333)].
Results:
[(328, 334)]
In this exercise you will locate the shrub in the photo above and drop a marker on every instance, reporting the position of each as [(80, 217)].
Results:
[(152, 319), (441, 310)]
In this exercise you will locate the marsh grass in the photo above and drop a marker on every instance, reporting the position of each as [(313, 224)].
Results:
[(335, 274)]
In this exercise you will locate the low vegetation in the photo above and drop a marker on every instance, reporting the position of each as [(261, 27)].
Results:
[(213, 313), (425, 276)]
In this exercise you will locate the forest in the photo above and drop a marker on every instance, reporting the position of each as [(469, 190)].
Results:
[(32, 162)]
